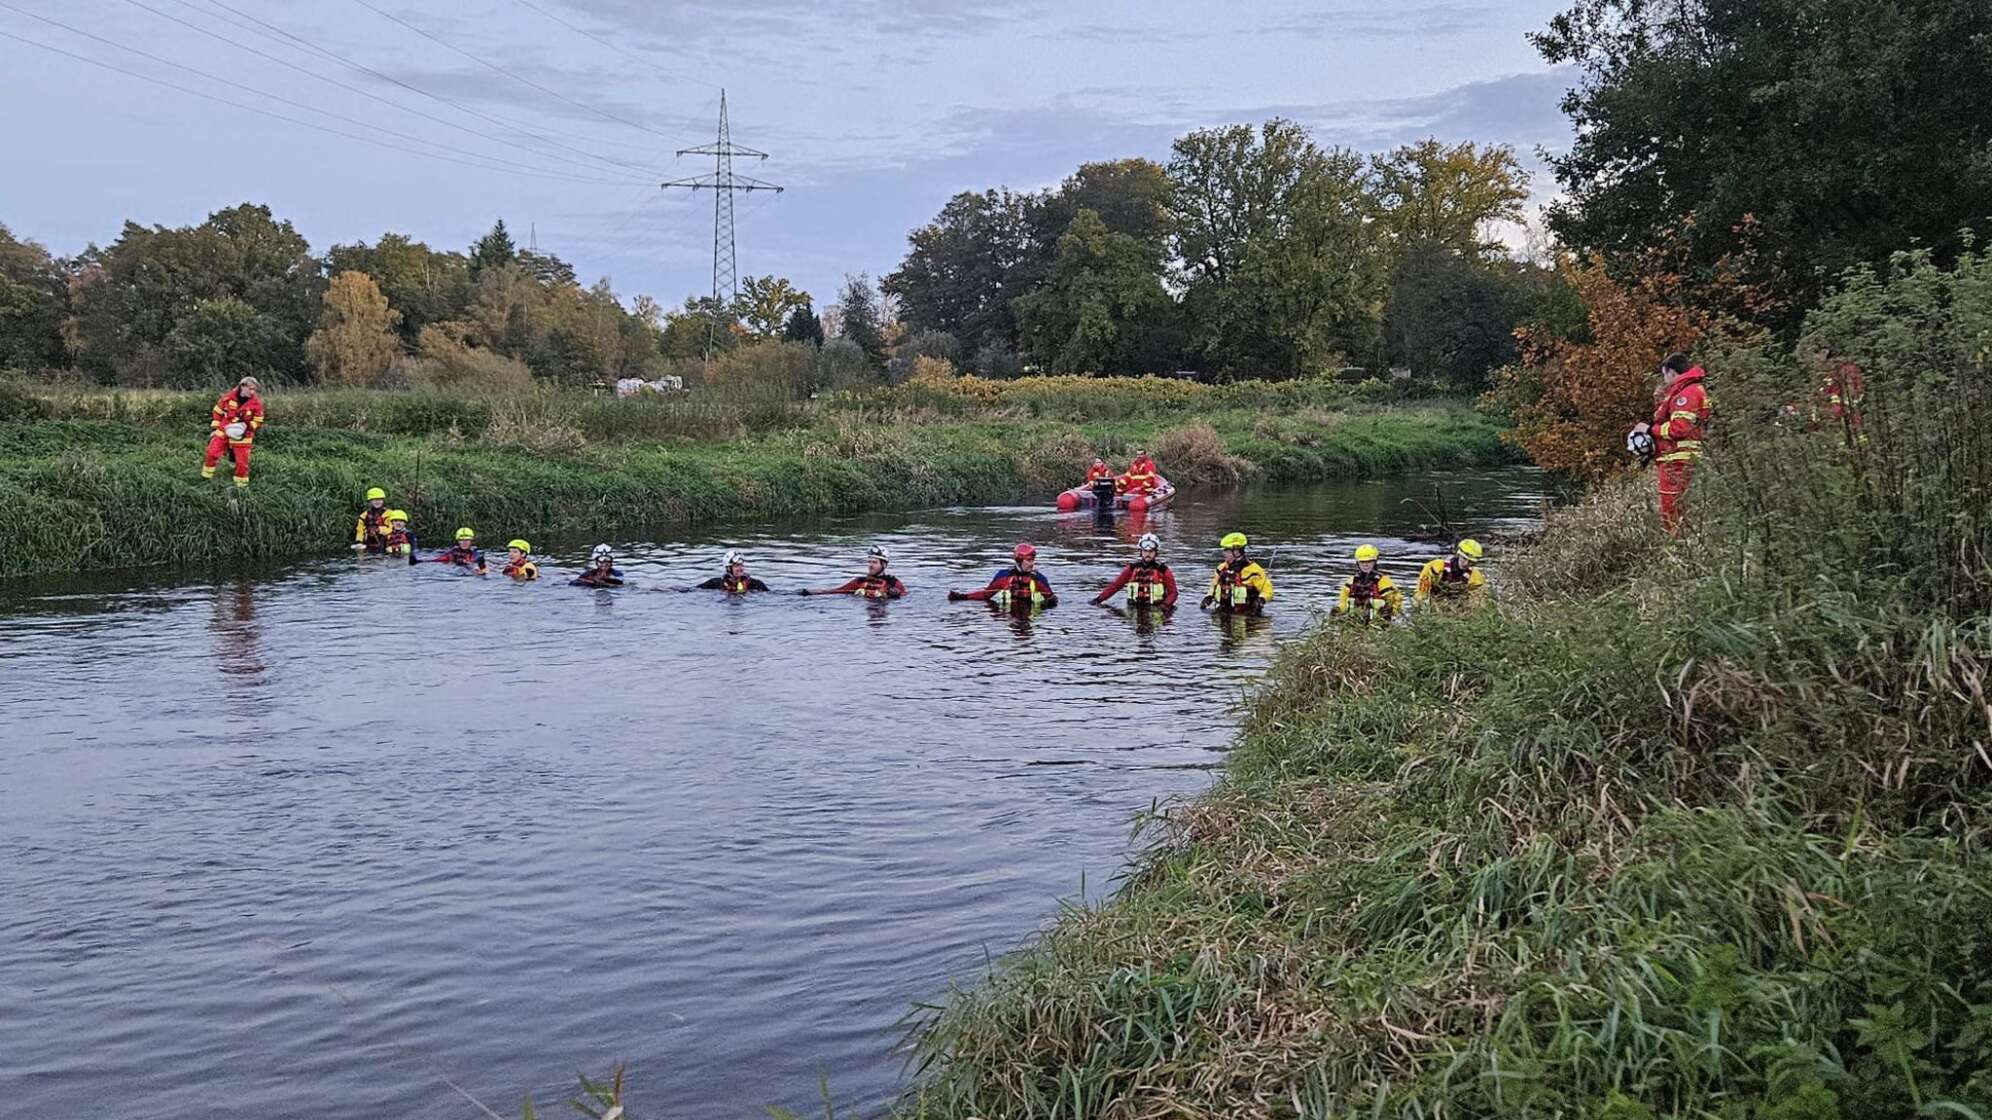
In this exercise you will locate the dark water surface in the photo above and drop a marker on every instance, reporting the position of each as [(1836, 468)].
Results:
[(313, 841)]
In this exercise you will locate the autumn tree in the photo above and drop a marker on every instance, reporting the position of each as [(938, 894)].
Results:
[(424, 285), (355, 340), (1448, 195), (765, 304), (1572, 401)]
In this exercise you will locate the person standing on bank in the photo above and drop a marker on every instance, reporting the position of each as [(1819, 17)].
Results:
[(235, 420), (1679, 424)]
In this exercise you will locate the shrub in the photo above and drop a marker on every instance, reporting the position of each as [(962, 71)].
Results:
[(450, 362), (1196, 456)]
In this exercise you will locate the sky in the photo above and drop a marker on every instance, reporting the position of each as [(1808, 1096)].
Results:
[(563, 116)]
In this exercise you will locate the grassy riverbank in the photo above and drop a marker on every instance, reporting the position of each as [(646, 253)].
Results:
[(1694, 828), (112, 480)]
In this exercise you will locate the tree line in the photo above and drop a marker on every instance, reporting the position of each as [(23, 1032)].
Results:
[(242, 293)]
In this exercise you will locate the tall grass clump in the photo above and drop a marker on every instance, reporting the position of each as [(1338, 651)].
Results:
[(1696, 828)]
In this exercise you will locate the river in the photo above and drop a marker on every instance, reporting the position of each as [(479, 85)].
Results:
[(319, 840)]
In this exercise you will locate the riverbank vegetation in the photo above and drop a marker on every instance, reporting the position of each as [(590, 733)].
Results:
[(1679, 828), (93, 479)]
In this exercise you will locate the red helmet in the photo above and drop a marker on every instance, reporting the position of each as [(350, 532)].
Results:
[(1026, 551)]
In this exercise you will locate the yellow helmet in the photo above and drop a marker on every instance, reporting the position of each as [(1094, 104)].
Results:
[(376, 493), (1470, 548), (397, 515), (466, 534), (1232, 540), (518, 544), (1366, 553)]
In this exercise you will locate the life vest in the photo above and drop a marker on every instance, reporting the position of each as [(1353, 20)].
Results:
[(875, 587), (463, 557), (1680, 418), (524, 569), (1098, 473), (1023, 589), (1233, 591), (399, 542), (373, 529), (736, 585), (1363, 588), (1147, 587)]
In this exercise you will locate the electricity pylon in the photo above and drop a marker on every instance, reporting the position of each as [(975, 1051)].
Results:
[(723, 184)]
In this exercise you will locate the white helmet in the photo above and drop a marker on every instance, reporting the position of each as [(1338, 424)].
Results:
[(733, 557), (877, 552), (1639, 443), (1148, 541), (601, 553)]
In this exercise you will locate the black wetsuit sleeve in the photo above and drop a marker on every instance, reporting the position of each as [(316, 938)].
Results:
[(713, 584), (756, 585)]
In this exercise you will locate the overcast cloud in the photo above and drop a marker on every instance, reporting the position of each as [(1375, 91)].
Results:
[(873, 111)]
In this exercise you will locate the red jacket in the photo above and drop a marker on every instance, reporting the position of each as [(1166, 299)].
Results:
[(1098, 472), (1157, 573), (1680, 418), (229, 409), (1025, 587), (1840, 392)]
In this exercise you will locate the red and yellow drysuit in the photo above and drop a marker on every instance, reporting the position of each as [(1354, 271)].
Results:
[(233, 408), (1680, 423)]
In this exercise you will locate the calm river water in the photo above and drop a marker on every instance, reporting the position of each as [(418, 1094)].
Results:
[(315, 841)]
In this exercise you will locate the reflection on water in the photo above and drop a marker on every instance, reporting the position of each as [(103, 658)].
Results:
[(306, 841)]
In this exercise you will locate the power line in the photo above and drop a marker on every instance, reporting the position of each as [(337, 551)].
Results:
[(272, 31), (494, 161), (609, 43), (347, 86), (281, 117), (554, 93)]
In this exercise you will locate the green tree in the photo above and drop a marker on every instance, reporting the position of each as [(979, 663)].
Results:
[(861, 317), (1129, 196), (1451, 319), (965, 267), (423, 284), (33, 300), (687, 330), (803, 326), (765, 304), (218, 342), (1282, 268), (355, 339), (1838, 131), (1103, 309), (494, 250), (1447, 195), (130, 297)]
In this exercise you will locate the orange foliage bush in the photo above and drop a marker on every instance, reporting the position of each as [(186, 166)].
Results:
[(1573, 401)]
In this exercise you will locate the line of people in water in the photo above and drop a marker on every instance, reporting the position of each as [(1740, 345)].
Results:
[(1240, 585)]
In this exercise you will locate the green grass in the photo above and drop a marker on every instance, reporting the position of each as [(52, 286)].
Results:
[(112, 480)]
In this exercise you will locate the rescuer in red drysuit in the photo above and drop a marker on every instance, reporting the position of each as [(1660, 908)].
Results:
[(235, 420), (1679, 424), (1149, 581), (1019, 587), (874, 584)]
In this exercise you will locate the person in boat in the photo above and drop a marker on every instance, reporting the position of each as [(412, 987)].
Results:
[(1240, 585), (519, 561), (601, 570), (464, 553), (1369, 595), (1099, 472), (370, 532), (1148, 580), (400, 541), (876, 583), (1140, 476), (735, 581), (1019, 586), (1455, 580)]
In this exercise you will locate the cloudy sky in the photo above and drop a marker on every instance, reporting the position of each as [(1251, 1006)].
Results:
[(561, 116)]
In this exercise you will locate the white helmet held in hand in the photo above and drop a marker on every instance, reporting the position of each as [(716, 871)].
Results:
[(236, 430)]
